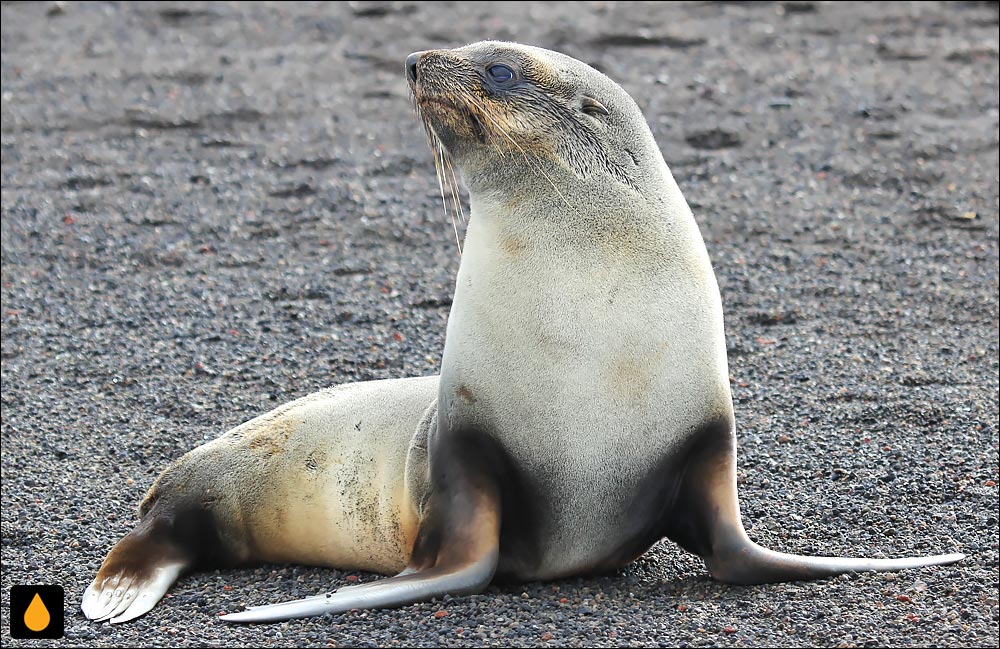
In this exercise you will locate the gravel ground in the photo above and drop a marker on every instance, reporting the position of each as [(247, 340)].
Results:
[(211, 209)]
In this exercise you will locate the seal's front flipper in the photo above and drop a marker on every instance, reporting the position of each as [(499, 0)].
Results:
[(387, 593), (705, 519), (455, 553)]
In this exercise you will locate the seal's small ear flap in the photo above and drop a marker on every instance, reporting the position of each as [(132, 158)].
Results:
[(593, 107)]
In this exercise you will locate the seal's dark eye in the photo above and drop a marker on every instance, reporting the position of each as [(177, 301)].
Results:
[(500, 73)]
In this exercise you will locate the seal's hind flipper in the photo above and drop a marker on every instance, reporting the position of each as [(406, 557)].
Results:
[(705, 519), (141, 567), (455, 553), (135, 575), (119, 598)]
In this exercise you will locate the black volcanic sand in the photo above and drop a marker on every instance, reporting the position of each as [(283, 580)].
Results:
[(211, 209)]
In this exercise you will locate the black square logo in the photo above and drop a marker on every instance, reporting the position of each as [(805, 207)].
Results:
[(36, 612)]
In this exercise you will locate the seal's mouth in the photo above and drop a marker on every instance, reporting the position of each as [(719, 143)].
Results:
[(454, 118)]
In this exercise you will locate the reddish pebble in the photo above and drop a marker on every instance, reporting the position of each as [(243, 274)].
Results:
[(682, 608), (227, 588), (352, 578), (547, 636), (398, 336), (990, 483), (730, 629), (441, 614), (903, 598)]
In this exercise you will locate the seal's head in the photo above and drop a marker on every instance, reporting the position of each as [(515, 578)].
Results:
[(506, 112)]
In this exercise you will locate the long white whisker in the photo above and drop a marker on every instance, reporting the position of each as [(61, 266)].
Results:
[(442, 164), (438, 163), (455, 204), (455, 193)]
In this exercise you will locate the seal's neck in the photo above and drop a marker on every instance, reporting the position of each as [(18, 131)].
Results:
[(592, 220)]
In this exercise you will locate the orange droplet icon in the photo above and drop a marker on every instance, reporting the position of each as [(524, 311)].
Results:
[(37, 616)]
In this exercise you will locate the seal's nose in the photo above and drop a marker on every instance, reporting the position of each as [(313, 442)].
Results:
[(411, 66)]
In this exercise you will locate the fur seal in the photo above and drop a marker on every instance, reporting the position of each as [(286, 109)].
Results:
[(583, 410)]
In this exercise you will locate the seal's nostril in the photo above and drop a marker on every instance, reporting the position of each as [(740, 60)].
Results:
[(411, 66)]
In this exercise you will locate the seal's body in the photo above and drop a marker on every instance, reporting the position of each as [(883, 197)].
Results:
[(583, 410), (524, 348)]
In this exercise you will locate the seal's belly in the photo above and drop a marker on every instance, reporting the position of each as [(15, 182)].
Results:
[(328, 474), (349, 512)]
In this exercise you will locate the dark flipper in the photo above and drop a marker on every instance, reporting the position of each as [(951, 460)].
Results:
[(145, 563), (705, 519)]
